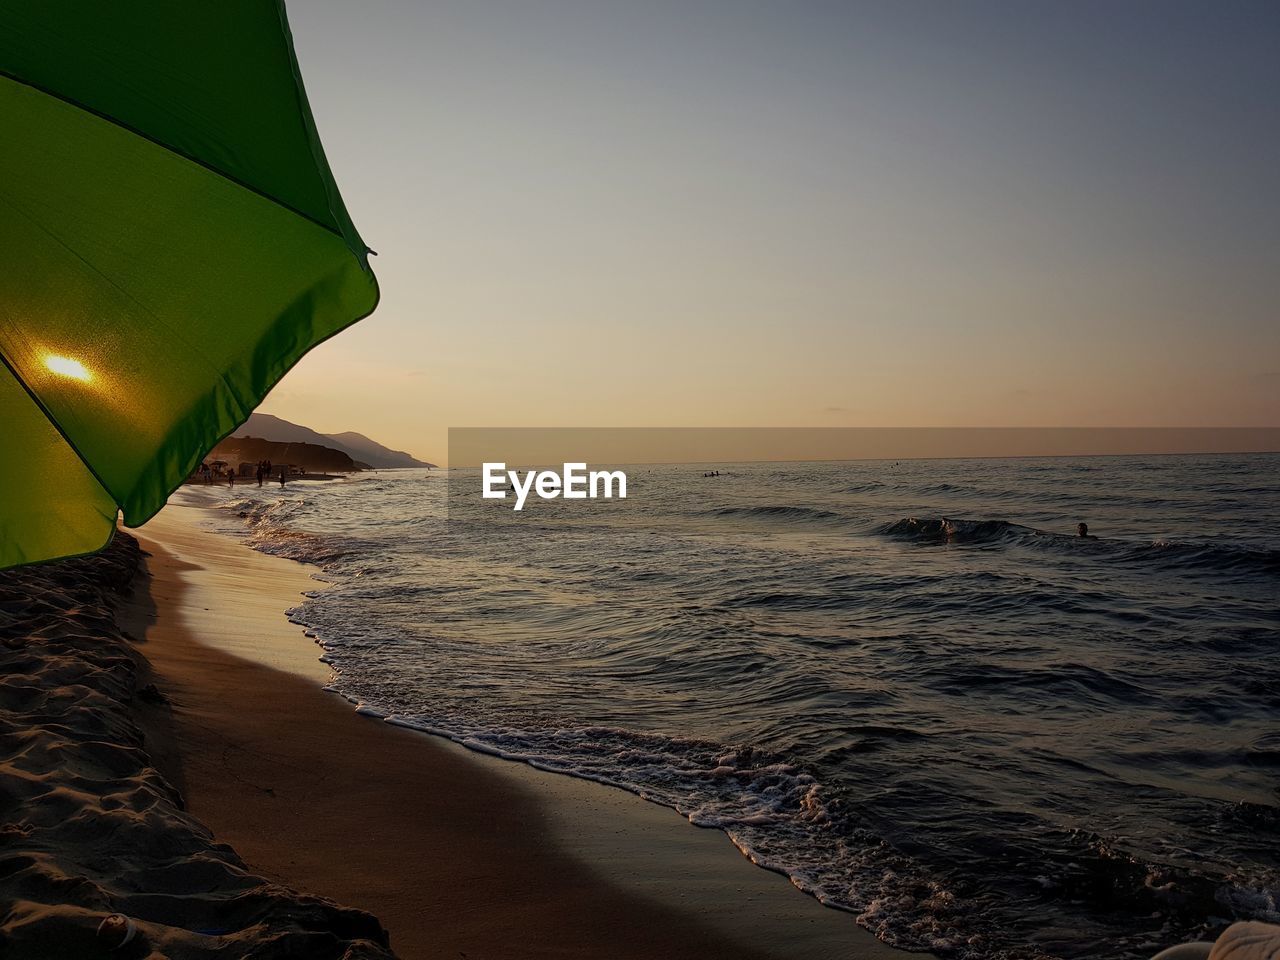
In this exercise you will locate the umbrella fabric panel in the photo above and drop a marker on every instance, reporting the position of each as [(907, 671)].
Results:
[(147, 301), (216, 82), (52, 505)]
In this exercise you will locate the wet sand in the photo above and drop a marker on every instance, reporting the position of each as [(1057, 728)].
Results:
[(458, 854)]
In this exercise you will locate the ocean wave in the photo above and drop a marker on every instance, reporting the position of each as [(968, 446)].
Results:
[(786, 819), (865, 486), (1221, 557), (1096, 869), (779, 816), (254, 511), (1076, 681), (1236, 558), (270, 530), (298, 545), (780, 512), (948, 530)]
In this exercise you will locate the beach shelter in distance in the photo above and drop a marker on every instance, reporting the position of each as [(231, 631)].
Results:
[(171, 243)]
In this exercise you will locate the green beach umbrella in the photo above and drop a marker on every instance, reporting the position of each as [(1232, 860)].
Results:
[(171, 243)]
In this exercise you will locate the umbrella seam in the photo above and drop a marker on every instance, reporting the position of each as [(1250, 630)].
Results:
[(48, 415), (185, 156), (333, 198)]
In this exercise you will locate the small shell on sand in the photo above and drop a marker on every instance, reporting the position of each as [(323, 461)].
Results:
[(116, 930)]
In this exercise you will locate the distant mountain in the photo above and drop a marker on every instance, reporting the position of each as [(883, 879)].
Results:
[(355, 445), (371, 452), (266, 427)]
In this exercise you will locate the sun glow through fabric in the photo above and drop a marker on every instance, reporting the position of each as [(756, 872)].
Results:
[(68, 367), (174, 242)]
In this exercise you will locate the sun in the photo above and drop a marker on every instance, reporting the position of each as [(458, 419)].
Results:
[(68, 367)]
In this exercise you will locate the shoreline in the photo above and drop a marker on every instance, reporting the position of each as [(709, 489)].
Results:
[(456, 852)]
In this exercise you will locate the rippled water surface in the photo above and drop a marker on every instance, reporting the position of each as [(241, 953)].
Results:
[(907, 686)]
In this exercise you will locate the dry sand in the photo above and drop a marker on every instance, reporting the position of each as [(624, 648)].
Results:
[(459, 855), (89, 827)]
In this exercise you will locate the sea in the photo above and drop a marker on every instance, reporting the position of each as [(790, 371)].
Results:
[(908, 686)]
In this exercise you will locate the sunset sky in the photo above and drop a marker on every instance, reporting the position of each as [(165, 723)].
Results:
[(810, 213)]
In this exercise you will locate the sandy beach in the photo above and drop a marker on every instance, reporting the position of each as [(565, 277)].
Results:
[(455, 853), (91, 826)]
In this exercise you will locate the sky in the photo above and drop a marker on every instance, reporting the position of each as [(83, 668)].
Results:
[(742, 213)]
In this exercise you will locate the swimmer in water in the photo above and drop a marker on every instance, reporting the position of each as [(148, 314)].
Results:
[(1082, 529)]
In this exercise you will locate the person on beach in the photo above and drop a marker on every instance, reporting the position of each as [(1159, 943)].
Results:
[(282, 472), (231, 477)]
